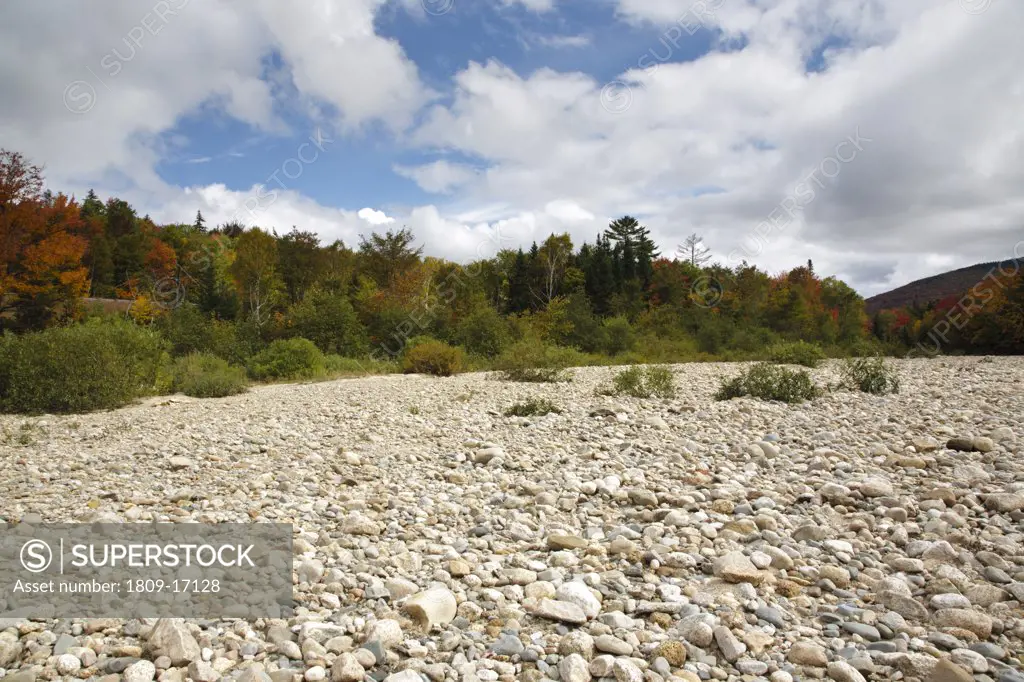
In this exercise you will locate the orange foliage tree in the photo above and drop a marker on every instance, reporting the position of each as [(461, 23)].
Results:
[(41, 249)]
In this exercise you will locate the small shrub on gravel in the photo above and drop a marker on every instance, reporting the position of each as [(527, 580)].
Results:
[(296, 358), (644, 382), (202, 375), (533, 362), (535, 407), (796, 353), (430, 356), (766, 381), (93, 366), (869, 375)]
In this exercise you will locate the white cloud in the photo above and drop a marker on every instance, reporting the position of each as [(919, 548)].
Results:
[(375, 217), (89, 90), (439, 177)]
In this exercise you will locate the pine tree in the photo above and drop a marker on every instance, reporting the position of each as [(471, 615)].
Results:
[(200, 223)]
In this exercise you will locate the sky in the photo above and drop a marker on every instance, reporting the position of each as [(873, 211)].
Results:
[(883, 140)]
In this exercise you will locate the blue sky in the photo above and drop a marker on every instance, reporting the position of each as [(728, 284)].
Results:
[(584, 36), (499, 122)]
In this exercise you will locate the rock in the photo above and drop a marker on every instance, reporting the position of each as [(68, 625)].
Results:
[(1005, 502), (876, 487), (566, 542), (841, 671), (807, 653), (201, 671), (577, 642), (140, 671), (171, 637), (737, 568), (673, 652), (347, 669), (625, 670), (580, 595), (984, 444), (565, 612), (960, 444), (905, 606), (386, 631), (507, 645), (68, 664), (573, 668), (610, 644), (730, 647), (360, 524), (432, 608), (964, 619), (946, 671), (404, 676)]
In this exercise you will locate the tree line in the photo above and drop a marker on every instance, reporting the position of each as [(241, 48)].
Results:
[(617, 294)]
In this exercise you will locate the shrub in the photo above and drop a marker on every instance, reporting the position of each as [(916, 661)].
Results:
[(202, 375), (770, 382), (430, 356), (329, 321), (288, 359), (535, 407), (335, 365), (483, 332), (644, 382), (863, 348), (532, 361), (796, 353), (619, 336), (93, 366), (869, 375)]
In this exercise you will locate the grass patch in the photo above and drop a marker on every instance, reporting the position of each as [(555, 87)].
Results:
[(535, 407), (869, 375), (766, 381), (653, 381)]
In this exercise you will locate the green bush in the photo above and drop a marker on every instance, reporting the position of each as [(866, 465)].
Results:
[(535, 407), (187, 330), (869, 375), (483, 332), (619, 336), (766, 381), (866, 348), (93, 366), (329, 321), (796, 353), (535, 362), (644, 382), (430, 356), (288, 359), (202, 375)]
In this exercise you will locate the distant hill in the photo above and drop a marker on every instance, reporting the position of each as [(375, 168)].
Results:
[(934, 288)]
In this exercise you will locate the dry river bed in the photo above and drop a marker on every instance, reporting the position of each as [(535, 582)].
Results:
[(853, 538)]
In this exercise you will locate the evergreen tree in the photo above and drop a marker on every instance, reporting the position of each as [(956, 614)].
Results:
[(200, 223)]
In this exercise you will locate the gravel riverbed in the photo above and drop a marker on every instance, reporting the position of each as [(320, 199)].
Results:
[(853, 538)]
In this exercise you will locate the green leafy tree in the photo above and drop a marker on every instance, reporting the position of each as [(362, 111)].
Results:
[(384, 257), (255, 270)]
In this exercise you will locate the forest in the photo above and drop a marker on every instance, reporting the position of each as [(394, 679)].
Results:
[(231, 291)]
